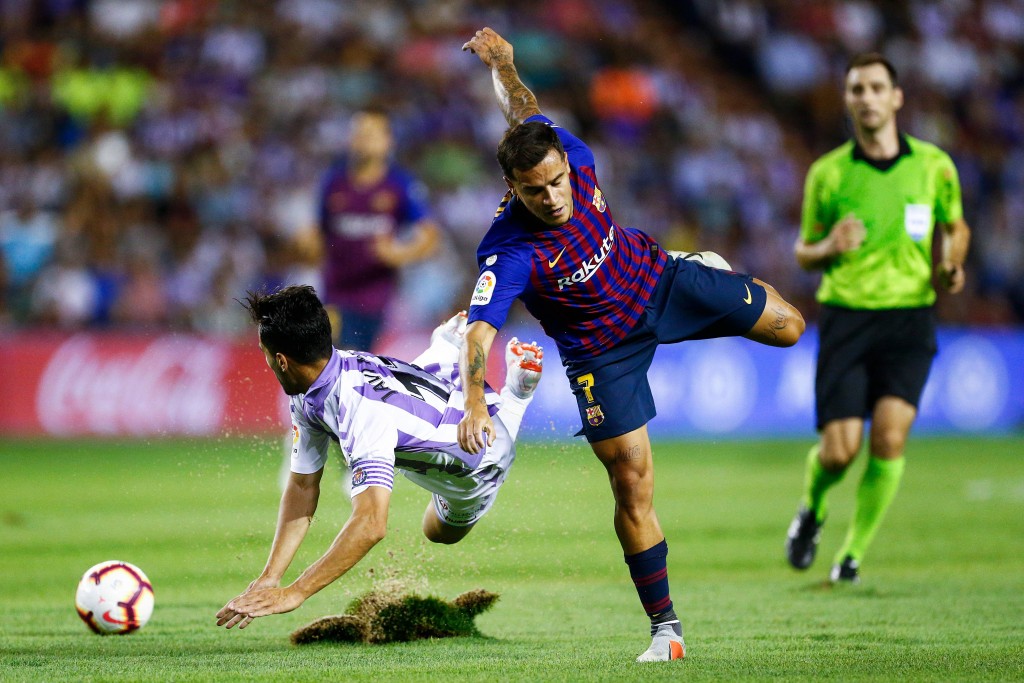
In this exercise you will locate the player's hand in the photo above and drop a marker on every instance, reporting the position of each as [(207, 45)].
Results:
[(388, 251), (848, 234), (952, 277), (476, 430), (258, 603), (261, 583), (489, 47)]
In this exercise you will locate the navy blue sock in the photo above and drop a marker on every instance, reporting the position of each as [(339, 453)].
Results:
[(649, 571)]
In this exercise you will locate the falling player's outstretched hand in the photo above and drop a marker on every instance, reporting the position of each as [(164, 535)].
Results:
[(489, 47), (258, 603)]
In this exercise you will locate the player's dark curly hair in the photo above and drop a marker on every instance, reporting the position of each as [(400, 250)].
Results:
[(293, 322), (525, 145)]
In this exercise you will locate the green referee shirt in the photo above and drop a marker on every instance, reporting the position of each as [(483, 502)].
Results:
[(899, 201)]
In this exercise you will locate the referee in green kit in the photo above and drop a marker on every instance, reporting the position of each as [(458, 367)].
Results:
[(869, 212)]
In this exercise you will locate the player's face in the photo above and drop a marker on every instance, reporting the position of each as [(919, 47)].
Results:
[(370, 136), (545, 189), (871, 98)]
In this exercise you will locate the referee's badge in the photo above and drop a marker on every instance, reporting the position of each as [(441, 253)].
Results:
[(594, 415)]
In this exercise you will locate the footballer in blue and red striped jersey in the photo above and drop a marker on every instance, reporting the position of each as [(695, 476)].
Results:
[(351, 217), (587, 281), (608, 295), (374, 219)]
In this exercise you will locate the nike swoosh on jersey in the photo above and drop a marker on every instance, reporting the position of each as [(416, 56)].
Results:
[(552, 262), (749, 298)]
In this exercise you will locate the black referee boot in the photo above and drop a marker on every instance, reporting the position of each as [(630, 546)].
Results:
[(802, 538), (847, 571)]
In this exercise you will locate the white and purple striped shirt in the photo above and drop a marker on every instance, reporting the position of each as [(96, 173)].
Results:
[(373, 406)]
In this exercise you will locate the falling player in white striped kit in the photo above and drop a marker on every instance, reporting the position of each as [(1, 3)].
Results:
[(386, 415)]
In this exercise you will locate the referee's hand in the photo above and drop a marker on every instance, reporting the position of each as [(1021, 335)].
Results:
[(848, 234), (952, 277)]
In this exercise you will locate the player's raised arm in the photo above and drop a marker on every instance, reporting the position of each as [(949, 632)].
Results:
[(515, 99), (473, 371)]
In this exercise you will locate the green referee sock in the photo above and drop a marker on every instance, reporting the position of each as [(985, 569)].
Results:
[(876, 491), (817, 482)]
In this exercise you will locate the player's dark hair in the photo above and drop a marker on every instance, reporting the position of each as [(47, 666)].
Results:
[(525, 145), (869, 58), (374, 110), (293, 322)]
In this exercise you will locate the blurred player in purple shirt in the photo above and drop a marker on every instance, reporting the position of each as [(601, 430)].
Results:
[(608, 295), (374, 220)]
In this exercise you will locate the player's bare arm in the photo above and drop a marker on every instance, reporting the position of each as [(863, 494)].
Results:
[(515, 99), (473, 371), (364, 529), (780, 324), (298, 503), (396, 253), (956, 239), (846, 235)]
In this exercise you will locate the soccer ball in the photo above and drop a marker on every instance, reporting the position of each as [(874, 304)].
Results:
[(114, 597)]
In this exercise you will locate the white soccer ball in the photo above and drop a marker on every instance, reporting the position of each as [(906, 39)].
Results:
[(114, 597)]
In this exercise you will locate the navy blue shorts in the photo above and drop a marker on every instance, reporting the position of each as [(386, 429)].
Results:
[(690, 301)]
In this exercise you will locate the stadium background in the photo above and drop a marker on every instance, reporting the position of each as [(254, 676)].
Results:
[(158, 158)]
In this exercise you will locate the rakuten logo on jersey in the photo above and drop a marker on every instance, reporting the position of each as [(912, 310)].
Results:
[(590, 266), (167, 385)]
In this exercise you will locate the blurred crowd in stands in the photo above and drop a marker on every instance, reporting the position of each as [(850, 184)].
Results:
[(160, 157)]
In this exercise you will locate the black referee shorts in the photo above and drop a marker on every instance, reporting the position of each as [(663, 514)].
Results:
[(865, 355)]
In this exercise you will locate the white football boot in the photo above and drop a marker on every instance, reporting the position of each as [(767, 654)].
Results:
[(524, 363), (707, 258), (452, 331), (665, 646)]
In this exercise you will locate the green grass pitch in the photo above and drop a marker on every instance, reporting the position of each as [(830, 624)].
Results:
[(942, 597)]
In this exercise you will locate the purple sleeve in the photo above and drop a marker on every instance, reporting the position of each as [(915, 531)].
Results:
[(503, 277), (579, 153)]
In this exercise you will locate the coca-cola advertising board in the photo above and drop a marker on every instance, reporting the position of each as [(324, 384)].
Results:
[(135, 385)]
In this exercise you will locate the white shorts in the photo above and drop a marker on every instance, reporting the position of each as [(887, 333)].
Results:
[(462, 499)]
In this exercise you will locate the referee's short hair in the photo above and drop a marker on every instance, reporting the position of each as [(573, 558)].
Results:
[(525, 145), (869, 58)]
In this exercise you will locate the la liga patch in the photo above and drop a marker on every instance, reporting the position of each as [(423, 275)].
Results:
[(484, 289)]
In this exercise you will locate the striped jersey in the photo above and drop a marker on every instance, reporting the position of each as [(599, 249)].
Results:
[(352, 217), (587, 281), (385, 414)]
